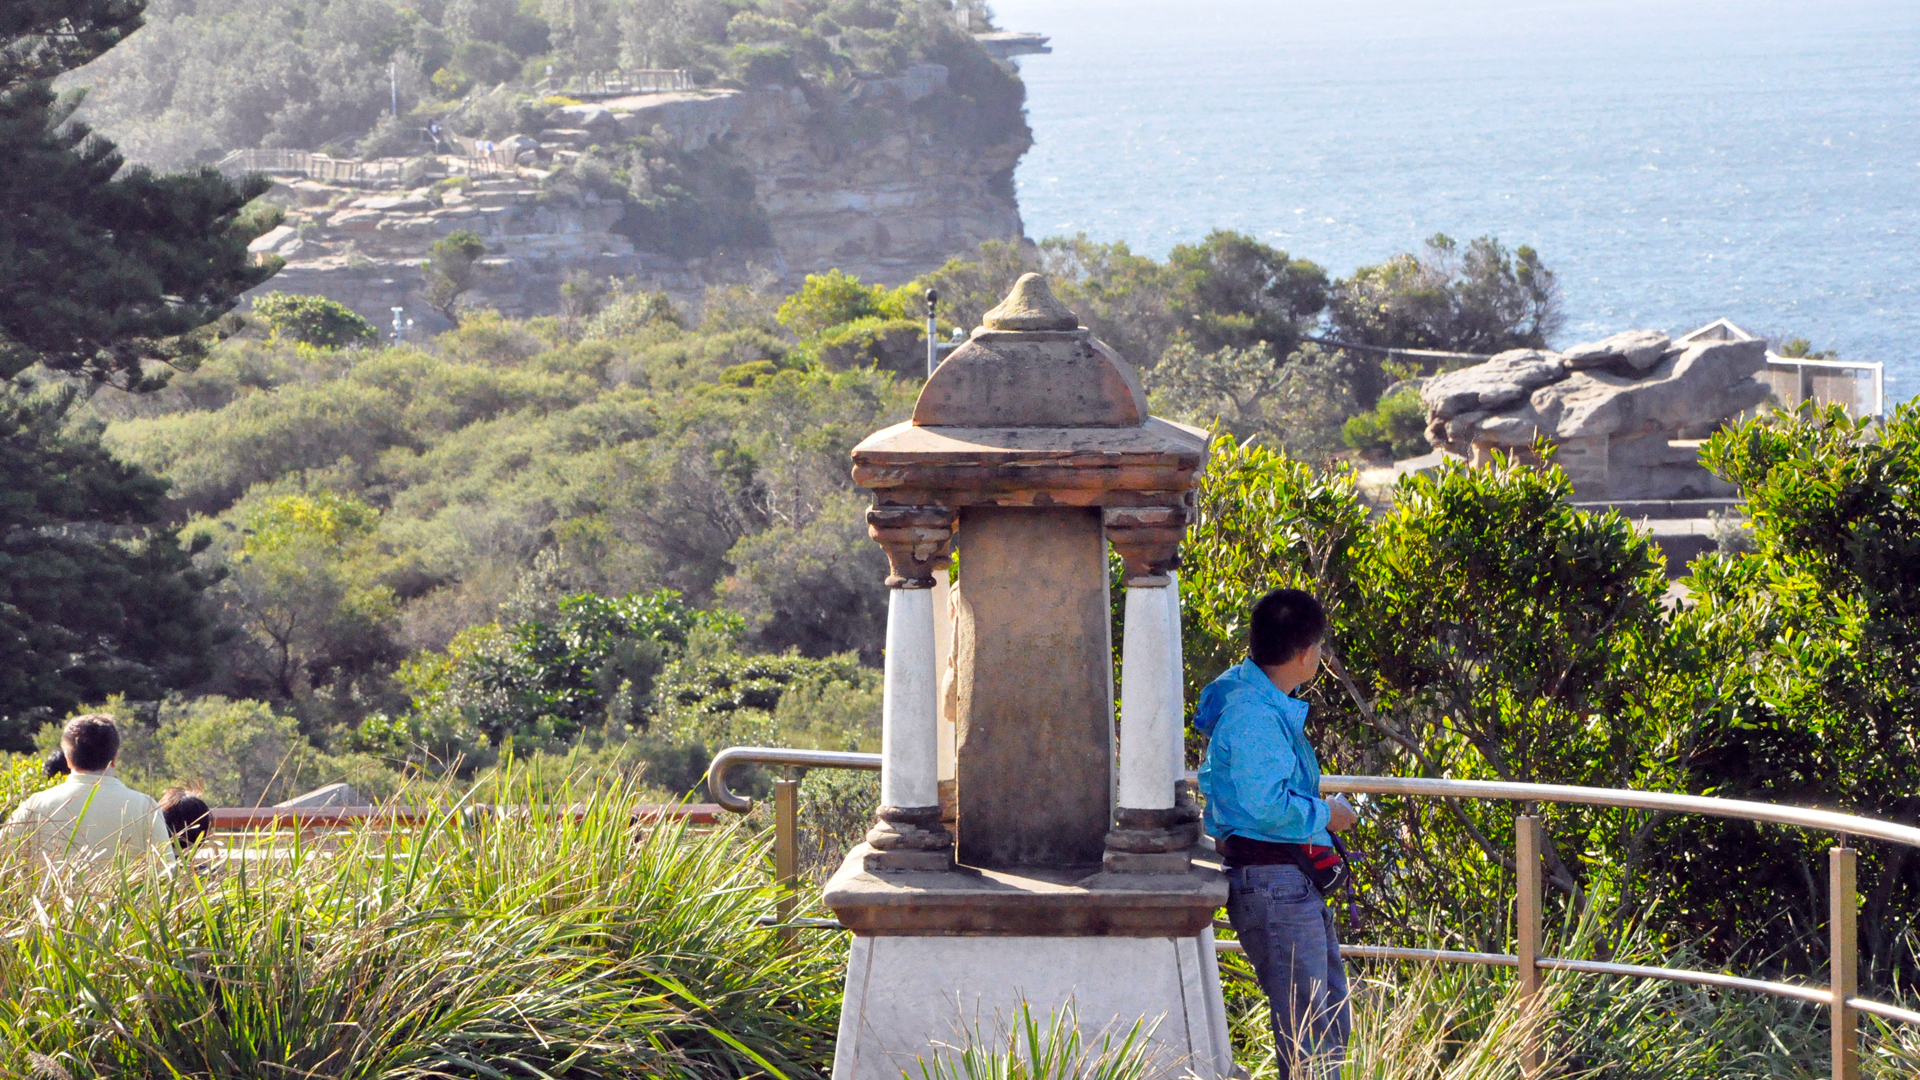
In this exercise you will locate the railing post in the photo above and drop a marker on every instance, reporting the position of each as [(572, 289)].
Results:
[(1844, 964), (1527, 934), (786, 855)]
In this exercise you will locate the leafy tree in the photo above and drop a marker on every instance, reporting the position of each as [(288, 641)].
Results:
[(305, 591), (97, 596), (314, 320), (1296, 406), (104, 276), (453, 269), (834, 298), (1482, 299), (1394, 429), (1481, 628), (1236, 292), (1806, 655)]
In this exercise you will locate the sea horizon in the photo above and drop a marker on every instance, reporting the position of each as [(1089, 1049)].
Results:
[(1672, 162)]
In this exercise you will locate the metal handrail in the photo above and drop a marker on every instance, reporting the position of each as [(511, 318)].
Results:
[(725, 760), (1822, 820), (1837, 995)]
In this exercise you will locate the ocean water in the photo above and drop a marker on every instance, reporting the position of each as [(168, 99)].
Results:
[(1674, 162)]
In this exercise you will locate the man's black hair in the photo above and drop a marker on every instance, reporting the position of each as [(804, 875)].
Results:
[(1286, 622), (55, 765), (187, 816), (91, 742)]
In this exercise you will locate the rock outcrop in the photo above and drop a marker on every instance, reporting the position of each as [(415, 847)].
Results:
[(868, 183), (1625, 414)]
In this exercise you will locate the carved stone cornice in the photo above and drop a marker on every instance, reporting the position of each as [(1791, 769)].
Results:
[(916, 540), (1147, 539)]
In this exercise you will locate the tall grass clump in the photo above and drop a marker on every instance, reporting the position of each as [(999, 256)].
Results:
[(1024, 1047), (1425, 1021), (542, 942)]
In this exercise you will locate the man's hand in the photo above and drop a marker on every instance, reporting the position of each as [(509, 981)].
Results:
[(1342, 817)]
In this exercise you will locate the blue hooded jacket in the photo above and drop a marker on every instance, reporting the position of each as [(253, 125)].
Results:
[(1261, 778)]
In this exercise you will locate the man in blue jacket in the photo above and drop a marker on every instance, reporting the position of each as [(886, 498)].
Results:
[(1261, 783)]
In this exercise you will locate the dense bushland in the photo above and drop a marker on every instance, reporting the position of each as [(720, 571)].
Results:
[(1484, 628)]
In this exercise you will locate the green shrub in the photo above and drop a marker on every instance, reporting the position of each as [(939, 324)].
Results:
[(835, 298), (890, 344), (314, 320), (537, 945), (1396, 428)]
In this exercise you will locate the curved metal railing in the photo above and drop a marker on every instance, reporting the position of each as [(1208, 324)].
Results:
[(1841, 994)]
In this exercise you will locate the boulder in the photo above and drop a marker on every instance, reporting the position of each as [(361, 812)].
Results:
[(1629, 406), (270, 241), (406, 204), (1506, 379), (1627, 351)]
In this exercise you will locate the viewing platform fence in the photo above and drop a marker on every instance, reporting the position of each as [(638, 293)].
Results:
[(1840, 995), (469, 157), (606, 84)]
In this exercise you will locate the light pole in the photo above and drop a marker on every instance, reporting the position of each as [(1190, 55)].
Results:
[(393, 84), (401, 324), (933, 343)]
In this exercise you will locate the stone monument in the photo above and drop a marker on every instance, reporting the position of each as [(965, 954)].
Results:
[(1064, 882)]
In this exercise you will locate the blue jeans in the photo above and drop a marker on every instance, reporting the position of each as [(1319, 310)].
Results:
[(1287, 932)]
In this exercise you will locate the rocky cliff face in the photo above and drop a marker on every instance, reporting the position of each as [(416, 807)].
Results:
[(873, 181)]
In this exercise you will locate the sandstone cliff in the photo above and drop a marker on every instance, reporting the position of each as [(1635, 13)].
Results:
[(874, 180)]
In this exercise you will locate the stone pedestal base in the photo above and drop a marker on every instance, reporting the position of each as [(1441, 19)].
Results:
[(940, 957), (915, 997)]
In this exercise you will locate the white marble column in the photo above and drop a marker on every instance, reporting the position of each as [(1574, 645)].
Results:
[(1150, 711), (910, 709)]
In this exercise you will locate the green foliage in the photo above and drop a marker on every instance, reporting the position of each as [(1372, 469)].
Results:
[(1480, 300), (888, 344), (1295, 405), (99, 597), (453, 269), (1481, 628), (1234, 291), (540, 682), (549, 943), (1025, 1047), (1394, 430), (104, 275), (1806, 652), (20, 776), (833, 299), (314, 320), (1801, 348), (305, 590)]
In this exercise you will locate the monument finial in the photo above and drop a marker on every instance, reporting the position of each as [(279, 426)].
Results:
[(1030, 306)]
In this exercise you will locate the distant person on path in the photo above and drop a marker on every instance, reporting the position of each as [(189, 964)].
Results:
[(92, 817), (1261, 782)]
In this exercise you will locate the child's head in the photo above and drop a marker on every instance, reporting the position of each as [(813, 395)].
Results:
[(1286, 623), (55, 765), (187, 816)]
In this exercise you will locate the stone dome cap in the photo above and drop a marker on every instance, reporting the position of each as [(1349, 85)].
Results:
[(1030, 306), (1031, 364)]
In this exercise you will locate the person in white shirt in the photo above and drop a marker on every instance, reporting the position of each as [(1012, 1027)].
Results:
[(92, 817)]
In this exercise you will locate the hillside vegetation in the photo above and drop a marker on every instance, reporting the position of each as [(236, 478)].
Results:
[(208, 76)]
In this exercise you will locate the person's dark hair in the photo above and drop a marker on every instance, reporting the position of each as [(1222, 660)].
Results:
[(1285, 623), (91, 742), (187, 816), (55, 765)]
